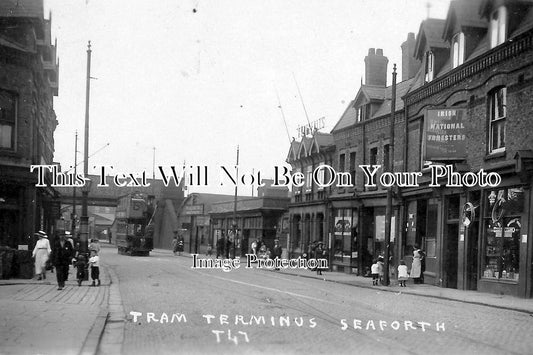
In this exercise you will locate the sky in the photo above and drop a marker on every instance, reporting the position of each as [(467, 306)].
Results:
[(195, 79)]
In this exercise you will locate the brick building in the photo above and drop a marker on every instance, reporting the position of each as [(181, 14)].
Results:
[(28, 83), (464, 101), (308, 208), (477, 69)]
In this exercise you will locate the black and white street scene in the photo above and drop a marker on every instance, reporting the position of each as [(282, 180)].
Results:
[(266, 177)]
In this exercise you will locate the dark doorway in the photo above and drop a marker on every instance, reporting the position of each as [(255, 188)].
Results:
[(450, 256)]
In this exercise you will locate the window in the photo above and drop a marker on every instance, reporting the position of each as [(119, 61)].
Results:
[(502, 234), (458, 50), (498, 27), (8, 114), (498, 114), (430, 63), (321, 176), (363, 113), (373, 156), (386, 158), (296, 190), (341, 162), (352, 167), (309, 178)]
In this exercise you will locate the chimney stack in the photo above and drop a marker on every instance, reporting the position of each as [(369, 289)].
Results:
[(410, 65), (376, 68)]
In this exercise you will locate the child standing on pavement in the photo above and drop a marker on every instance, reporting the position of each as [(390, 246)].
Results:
[(81, 265), (375, 273), (403, 274), (94, 262), (381, 269)]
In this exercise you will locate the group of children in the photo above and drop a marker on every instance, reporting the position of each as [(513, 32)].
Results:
[(377, 270), (94, 264)]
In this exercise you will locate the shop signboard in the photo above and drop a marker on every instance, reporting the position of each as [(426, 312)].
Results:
[(192, 210), (445, 134)]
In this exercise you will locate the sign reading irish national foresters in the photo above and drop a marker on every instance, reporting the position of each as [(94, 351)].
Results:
[(445, 134)]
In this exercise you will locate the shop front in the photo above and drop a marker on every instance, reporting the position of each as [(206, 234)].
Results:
[(504, 241)]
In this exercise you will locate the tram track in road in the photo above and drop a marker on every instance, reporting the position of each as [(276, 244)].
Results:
[(276, 294)]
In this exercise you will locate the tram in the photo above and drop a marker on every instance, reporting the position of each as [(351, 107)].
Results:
[(133, 218)]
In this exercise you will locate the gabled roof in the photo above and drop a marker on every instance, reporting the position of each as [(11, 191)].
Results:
[(462, 13), (310, 145), (373, 92), (430, 36), (383, 94)]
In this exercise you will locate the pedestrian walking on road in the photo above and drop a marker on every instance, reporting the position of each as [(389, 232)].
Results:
[(94, 262), (403, 274), (41, 253), (220, 246), (175, 244), (181, 245), (62, 256)]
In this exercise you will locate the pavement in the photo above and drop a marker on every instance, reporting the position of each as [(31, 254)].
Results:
[(36, 318)]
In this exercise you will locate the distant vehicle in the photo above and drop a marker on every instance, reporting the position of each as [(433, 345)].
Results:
[(135, 232)]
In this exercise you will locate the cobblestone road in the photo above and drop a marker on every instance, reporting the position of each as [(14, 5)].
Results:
[(180, 310)]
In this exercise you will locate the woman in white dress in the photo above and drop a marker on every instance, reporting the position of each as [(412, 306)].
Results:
[(416, 267), (41, 253)]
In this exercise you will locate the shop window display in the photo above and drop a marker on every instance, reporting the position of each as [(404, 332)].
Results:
[(502, 234)]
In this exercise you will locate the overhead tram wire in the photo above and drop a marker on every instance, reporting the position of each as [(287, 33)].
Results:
[(99, 150), (283, 116), (301, 99)]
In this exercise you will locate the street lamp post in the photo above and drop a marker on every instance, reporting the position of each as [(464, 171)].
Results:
[(84, 221)]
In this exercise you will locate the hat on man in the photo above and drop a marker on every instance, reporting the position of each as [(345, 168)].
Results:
[(41, 234)]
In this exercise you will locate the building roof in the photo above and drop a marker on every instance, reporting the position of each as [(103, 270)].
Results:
[(252, 204), (22, 8), (461, 14), (384, 94), (430, 36), (307, 146), (401, 89), (348, 118)]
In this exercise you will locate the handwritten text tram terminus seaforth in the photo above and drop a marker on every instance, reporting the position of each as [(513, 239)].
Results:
[(323, 176)]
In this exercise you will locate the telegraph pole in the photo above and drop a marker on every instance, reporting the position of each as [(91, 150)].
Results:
[(388, 211), (73, 215), (235, 207)]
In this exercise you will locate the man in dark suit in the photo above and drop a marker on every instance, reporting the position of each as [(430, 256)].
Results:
[(62, 254)]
